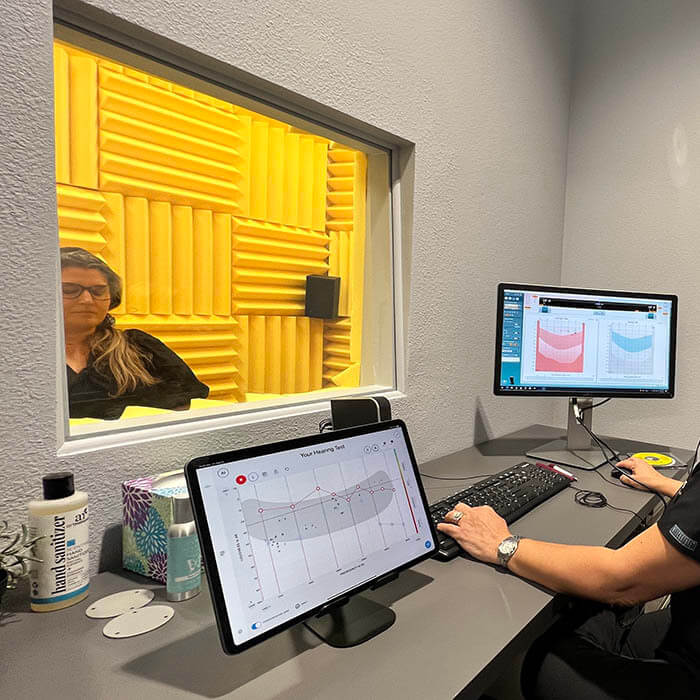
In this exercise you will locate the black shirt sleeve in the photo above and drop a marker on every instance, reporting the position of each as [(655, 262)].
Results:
[(176, 385), (680, 523)]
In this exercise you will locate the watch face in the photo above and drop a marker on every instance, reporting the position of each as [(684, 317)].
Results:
[(507, 547)]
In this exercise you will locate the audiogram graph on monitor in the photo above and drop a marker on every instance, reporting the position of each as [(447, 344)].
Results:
[(330, 518), (631, 349), (560, 344), (565, 341)]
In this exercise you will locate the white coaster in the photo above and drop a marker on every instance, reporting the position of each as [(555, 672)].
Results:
[(119, 603), (137, 622)]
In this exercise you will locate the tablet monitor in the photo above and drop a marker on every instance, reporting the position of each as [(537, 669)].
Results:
[(289, 529)]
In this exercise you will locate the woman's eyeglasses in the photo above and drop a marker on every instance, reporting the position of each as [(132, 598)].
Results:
[(72, 290)]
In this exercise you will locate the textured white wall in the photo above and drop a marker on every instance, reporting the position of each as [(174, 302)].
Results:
[(633, 186), (481, 88)]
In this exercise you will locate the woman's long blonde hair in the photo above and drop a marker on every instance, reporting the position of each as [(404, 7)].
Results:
[(112, 353)]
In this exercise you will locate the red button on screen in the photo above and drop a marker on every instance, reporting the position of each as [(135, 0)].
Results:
[(240, 479)]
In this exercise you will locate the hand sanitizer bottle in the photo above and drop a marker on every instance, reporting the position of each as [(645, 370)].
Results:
[(61, 519), (184, 557)]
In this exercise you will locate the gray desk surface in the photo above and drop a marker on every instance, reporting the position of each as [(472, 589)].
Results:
[(458, 624)]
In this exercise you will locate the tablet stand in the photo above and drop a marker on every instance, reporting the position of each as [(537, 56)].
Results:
[(352, 622)]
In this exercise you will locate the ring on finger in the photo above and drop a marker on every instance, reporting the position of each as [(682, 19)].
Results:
[(457, 515)]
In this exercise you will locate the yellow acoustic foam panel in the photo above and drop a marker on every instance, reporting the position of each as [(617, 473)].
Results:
[(75, 89), (286, 174), (270, 264), (158, 170), (339, 367), (176, 260), (165, 146), (285, 354), (81, 218), (346, 227)]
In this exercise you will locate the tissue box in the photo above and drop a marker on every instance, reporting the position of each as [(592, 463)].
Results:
[(147, 513)]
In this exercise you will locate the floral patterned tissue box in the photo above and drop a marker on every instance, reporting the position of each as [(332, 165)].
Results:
[(147, 514)]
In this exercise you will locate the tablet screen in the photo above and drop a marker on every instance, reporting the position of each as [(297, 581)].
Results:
[(292, 529)]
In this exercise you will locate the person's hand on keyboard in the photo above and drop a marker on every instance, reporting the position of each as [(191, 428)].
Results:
[(478, 530)]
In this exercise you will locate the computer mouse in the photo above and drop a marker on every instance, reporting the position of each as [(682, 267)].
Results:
[(617, 472)]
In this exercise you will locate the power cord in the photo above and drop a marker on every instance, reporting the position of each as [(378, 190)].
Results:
[(595, 405), (578, 414), (602, 445), (596, 499)]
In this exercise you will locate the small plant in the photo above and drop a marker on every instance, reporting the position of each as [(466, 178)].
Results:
[(16, 552)]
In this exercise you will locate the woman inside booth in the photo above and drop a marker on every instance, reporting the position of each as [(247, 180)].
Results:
[(109, 369)]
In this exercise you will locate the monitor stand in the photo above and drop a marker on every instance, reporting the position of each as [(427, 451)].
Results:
[(351, 623), (577, 450)]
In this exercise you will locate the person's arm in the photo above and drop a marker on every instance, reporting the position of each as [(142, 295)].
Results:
[(646, 567), (645, 474)]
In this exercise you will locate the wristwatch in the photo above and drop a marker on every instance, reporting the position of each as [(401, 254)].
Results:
[(507, 549)]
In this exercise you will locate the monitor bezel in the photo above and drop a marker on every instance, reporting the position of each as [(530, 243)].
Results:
[(208, 555), (577, 392)]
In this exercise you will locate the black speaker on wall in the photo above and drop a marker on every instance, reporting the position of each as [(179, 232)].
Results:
[(322, 296), (347, 413)]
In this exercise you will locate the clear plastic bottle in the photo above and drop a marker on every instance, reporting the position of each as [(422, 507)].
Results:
[(184, 557), (61, 519)]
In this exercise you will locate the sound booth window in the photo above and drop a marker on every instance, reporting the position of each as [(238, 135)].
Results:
[(215, 257)]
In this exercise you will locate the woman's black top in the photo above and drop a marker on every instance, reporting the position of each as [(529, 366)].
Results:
[(90, 394), (680, 525)]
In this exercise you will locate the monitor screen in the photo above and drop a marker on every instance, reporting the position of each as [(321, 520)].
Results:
[(286, 528), (578, 342)]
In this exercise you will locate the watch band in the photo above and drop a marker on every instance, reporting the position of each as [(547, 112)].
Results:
[(505, 557)]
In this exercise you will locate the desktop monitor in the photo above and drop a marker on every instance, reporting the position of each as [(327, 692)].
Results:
[(583, 343), (293, 531)]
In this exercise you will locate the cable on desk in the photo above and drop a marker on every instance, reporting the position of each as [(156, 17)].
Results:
[(599, 441), (601, 444), (596, 499), (623, 486)]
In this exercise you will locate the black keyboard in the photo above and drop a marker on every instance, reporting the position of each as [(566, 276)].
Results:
[(511, 493)]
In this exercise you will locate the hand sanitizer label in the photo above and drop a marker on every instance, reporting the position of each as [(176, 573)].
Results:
[(64, 569)]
